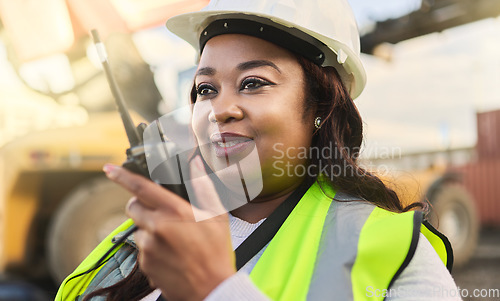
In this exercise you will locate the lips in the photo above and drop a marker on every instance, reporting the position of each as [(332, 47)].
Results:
[(230, 144)]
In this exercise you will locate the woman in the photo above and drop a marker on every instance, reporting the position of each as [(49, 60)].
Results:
[(278, 77)]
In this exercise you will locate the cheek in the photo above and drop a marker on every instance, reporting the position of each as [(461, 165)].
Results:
[(201, 126), (286, 121), (289, 127), (200, 122)]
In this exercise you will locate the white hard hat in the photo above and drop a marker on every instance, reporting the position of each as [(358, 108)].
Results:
[(324, 31)]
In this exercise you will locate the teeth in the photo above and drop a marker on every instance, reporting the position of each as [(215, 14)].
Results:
[(227, 144)]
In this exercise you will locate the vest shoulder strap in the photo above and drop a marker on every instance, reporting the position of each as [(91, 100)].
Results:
[(440, 243), (286, 267)]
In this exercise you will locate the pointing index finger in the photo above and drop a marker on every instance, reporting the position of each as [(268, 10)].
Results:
[(149, 193)]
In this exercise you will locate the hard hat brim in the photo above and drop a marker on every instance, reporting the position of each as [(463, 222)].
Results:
[(189, 27)]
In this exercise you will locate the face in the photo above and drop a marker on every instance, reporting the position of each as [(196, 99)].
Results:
[(250, 93)]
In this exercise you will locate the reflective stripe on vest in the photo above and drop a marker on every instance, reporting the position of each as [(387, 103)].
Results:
[(338, 250)]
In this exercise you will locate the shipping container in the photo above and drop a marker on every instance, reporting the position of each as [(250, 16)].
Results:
[(488, 135), (482, 181)]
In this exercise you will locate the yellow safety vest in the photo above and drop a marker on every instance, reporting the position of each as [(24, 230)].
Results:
[(325, 250), (341, 250)]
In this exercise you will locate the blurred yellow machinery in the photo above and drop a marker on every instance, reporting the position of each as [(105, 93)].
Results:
[(55, 203)]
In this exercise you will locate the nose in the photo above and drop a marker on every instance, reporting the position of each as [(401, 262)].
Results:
[(225, 109)]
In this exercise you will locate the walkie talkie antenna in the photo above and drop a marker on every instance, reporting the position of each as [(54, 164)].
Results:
[(133, 135)]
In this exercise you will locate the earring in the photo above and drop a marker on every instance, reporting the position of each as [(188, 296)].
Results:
[(317, 122)]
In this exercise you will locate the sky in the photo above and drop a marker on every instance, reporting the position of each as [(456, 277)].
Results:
[(368, 11)]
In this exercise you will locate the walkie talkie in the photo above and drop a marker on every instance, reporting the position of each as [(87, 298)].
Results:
[(136, 155)]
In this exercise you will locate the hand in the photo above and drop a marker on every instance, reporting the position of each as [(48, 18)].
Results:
[(184, 258)]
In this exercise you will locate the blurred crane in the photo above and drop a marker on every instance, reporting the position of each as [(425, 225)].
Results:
[(433, 16)]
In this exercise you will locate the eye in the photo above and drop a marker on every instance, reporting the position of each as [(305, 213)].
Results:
[(253, 83), (204, 90)]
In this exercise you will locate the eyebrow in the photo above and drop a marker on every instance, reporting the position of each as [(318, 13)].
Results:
[(209, 71), (205, 71), (257, 63)]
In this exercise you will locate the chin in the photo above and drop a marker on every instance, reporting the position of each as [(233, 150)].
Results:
[(242, 180)]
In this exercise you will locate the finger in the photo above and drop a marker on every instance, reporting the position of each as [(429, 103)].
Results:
[(142, 216), (207, 198), (149, 193)]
